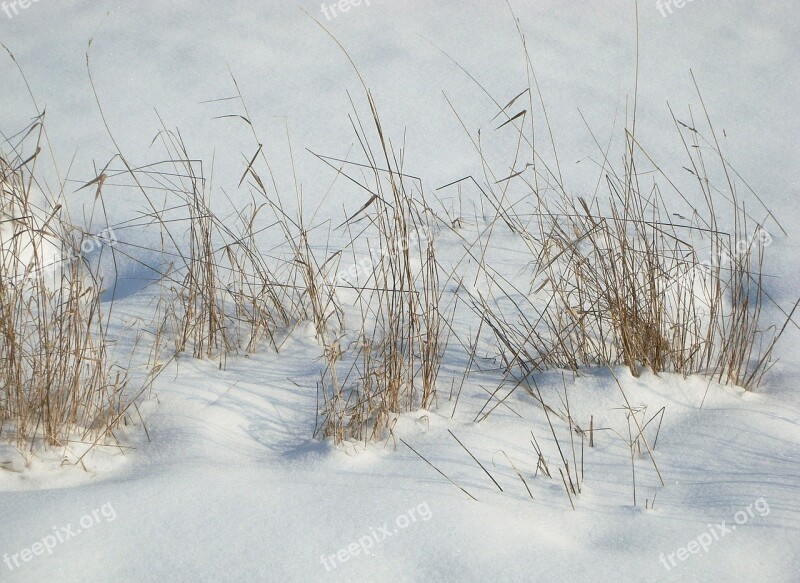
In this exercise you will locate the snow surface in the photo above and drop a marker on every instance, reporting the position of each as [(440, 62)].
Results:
[(230, 486)]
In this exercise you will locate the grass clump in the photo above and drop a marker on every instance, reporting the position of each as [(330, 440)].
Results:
[(58, 382)]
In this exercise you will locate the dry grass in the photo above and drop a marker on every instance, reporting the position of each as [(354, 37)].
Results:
[(618, 279), (57, 381), (615, 280), (219, 295), (399, 346)]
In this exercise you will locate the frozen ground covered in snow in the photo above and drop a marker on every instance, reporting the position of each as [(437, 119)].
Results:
[(230, 485)]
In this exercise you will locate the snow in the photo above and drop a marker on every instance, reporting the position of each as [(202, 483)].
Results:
[(230, 485)]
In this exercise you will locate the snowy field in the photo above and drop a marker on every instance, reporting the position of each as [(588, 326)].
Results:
[(220, 472)]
